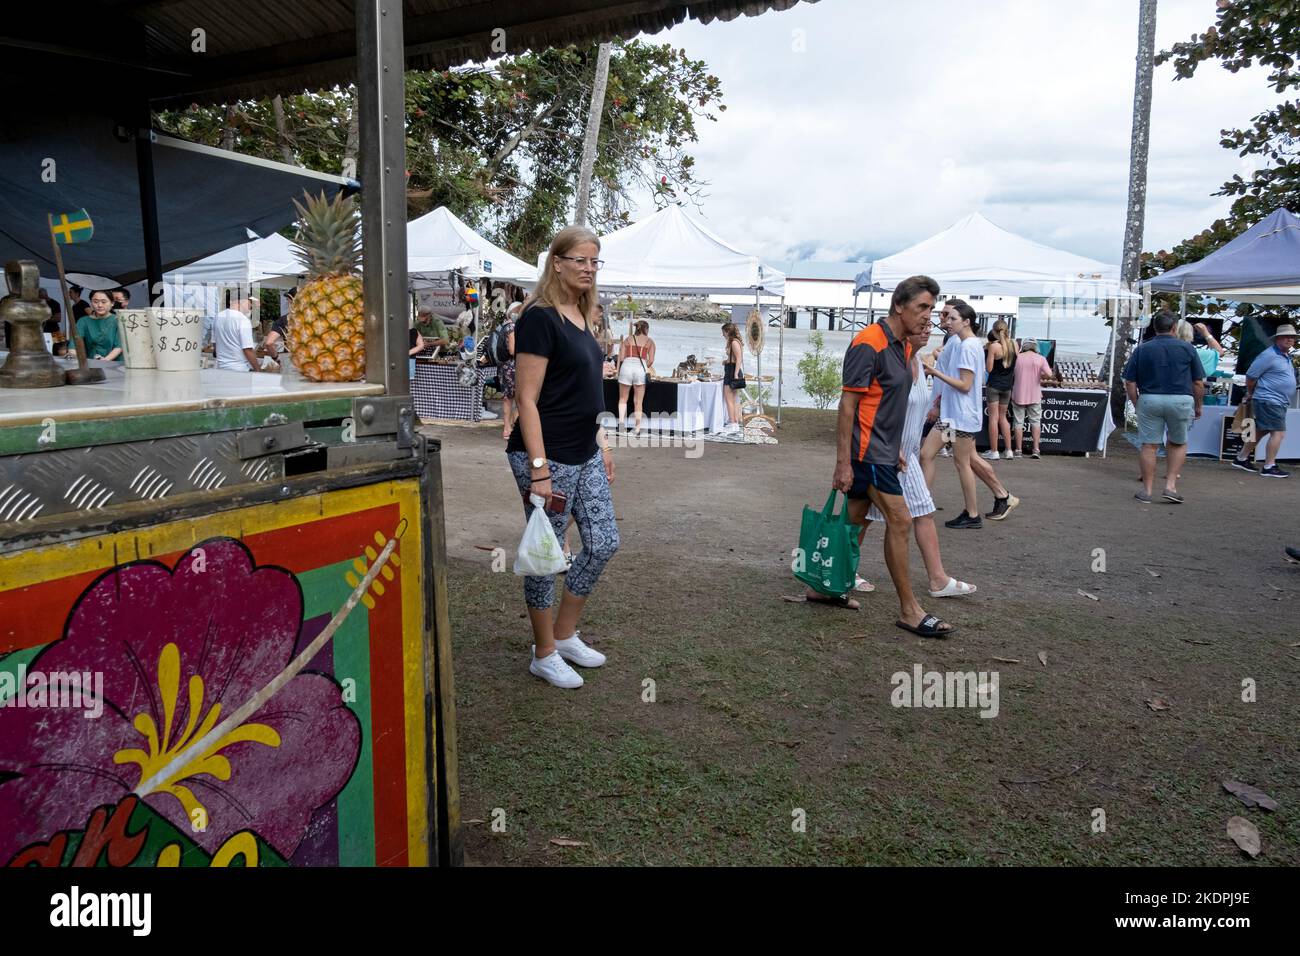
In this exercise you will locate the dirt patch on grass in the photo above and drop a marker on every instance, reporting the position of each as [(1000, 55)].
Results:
[(768, 713)]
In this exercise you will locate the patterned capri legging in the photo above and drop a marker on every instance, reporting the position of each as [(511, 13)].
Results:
[(587, 489)]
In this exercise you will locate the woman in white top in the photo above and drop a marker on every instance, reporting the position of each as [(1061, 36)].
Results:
[(635, 357), (915, 493)]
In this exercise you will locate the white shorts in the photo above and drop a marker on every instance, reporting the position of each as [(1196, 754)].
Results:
[(915, 492), (631, 372)]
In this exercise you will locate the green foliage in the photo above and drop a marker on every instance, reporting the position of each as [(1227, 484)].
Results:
[(819, 373), (500, 145), (1246, 33)]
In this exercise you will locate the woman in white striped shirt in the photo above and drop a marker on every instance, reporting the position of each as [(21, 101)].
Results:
[(915, 493)]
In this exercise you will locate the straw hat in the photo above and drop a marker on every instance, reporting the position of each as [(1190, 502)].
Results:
[(1284, 330)]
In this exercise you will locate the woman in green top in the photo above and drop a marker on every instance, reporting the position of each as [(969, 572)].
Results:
[(98, 329)]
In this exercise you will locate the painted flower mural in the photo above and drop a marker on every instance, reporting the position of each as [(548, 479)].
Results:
[(182, 650)]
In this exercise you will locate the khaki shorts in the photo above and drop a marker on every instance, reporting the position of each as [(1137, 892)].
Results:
[(1022, 413)]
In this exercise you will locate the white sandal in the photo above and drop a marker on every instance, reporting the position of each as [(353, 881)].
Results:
[(954, 588), (863, 585)]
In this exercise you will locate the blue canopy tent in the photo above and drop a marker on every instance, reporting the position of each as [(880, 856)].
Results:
[(1261, 265)]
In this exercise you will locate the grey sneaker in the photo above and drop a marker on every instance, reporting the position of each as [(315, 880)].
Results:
[(1274, 472), (1143, 497)]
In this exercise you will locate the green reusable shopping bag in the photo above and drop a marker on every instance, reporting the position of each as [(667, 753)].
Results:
[(827, 560)]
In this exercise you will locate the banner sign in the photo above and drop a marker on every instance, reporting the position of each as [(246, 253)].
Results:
[(1074, 420)]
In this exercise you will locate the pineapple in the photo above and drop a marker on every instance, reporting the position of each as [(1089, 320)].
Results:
[(326, 322)]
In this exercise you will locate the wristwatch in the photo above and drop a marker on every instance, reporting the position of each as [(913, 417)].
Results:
[(538, 463)]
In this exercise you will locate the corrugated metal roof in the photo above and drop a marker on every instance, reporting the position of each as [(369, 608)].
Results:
[(256, 48)]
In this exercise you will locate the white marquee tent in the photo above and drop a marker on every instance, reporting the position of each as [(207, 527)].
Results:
[(671, 252), (974, 256), (270, 262), (439, 242)]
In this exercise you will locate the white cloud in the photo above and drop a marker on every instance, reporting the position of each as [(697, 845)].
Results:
[(898, 119)]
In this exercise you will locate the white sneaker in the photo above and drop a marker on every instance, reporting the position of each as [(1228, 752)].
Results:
[(487, 416), (990, 455), (572, 649), (944, 452), (1008, 455), (554, 670)]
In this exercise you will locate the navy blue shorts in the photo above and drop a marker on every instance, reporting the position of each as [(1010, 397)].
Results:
[(883, 477), (1269, 417)]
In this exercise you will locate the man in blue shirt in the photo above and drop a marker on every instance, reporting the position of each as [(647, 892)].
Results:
[(1270, 386), (1165, 382)]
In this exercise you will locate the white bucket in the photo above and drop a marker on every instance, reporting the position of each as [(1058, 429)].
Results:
[(133, 332), (177, 339)]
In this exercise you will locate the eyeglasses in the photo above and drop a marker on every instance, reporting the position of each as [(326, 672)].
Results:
[(582, 262)]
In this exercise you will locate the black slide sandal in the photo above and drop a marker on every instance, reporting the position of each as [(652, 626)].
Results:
[(929, 627)]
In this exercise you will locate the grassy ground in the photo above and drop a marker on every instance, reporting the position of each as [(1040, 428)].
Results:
[(764, 708)]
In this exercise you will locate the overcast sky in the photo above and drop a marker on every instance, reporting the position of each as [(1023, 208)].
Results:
[(897, 119)]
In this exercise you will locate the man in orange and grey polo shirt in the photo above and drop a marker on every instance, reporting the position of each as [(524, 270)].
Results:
[(873, 409)]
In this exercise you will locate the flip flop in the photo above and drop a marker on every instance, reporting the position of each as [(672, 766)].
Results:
[(929, 627), (863, 585), (954, 588)]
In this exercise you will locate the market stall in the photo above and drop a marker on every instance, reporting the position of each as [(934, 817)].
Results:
[(255, 566), (441, 252), (1262, 266), (676, 407), (670, 252), (448, 391), (1075, 421), (976, 257)]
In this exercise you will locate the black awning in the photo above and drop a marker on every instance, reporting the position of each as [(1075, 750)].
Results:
[(207, 198)]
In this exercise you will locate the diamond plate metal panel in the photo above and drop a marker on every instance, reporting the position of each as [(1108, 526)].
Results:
[(85, 480)]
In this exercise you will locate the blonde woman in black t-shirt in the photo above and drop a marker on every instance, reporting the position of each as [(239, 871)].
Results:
[(558, 449)]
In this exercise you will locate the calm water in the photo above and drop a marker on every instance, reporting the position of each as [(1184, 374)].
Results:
[(1080, 337)]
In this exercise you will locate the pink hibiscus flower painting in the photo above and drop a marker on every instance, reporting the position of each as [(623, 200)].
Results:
[(182, 651)]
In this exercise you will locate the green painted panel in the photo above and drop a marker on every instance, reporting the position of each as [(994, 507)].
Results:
[(324, 591), (9, 664), (23, 439)]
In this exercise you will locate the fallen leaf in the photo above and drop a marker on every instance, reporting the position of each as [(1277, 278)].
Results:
[(561, 841), (1245, 835), (1297, 644), (1188, 640), (1007, 660), (470, 823), (1158, 703), (1250, 796), (1154, 574), (1090, 597), (1042, 658), (481, 547)]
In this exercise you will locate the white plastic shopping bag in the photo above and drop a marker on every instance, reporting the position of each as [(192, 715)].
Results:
[(539, 548)]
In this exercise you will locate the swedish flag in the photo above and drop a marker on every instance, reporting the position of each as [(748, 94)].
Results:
[(71, 227)]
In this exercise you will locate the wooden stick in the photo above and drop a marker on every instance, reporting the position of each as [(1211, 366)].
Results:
[(67, 301)]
